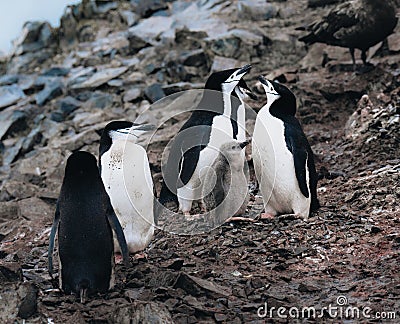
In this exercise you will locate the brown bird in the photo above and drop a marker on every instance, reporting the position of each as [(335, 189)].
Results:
[(354, 24)]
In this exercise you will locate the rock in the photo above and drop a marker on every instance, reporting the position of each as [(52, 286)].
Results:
[(51, 90), (237, 43), (100, 77), (12, 120), (68, 27), (154, 92), (129, 17), (26, 62), (141, 312), (195, 58), (394, 42), (321, 3), (256, 10), (223, 63), (146, 8), (8, 79), (104, 7), (100, 100), (17, 190), (195, 286), (28, 306), (12, 151), (68, 104), (151, 28), (35, 36), (189, 39), (10, 272), (56, 71), (136, 43), (181, 86), (10, 94), (35, 209), (80, 74), (132, 94)]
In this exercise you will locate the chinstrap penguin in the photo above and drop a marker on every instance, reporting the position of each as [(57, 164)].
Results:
[(225, 188), (84, 220), (354, 24), (197, 143), (283, 159), (126, 175)]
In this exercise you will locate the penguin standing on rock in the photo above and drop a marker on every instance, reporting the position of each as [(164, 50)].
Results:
[(197, 143), (283, 159), (125, 171), (84, 220), (225, 187)]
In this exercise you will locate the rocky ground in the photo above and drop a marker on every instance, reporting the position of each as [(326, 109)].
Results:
[(112, 60)]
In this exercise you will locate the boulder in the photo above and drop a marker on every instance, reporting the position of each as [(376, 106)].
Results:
[(35, 35), (100, 77), (12, 120), (256, 10), (10, 94)]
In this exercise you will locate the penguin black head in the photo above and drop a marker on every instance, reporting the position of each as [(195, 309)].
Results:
[(80, 163), (117, 130), (281, 100), (226, 80)]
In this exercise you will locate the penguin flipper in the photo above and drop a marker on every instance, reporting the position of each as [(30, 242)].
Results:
[(300, 157), (119, 233), (53, 232)]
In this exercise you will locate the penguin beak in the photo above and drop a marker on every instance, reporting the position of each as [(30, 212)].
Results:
[(263, 80), (244, 144), (245, 69), (136, 127), (246, 90)]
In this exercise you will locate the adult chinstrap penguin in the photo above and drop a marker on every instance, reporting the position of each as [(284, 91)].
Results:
[(197, 143), (283, 159), (84, 220), (354, 24), (125, 171)]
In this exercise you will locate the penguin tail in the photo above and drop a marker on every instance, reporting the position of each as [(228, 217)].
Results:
[(167, 195)]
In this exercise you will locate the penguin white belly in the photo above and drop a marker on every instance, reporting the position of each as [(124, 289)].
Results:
[(241, 120), (274, 166), (127, 179), (221, 132)]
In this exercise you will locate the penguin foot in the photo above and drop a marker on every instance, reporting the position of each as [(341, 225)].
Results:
[(266, 216), (192, 217), (118, 259), (140, 256)]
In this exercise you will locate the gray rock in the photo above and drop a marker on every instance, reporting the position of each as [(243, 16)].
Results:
[(100, 100), (136, 43), (35, 35), (24, 63), (28, 305), (141, 312), (34, 137), (10, 95), (154, 92), (8, 79), (104, 7), (80, 74), (129, 17), (223, 63), (68, 27), (12, 120), (189, 39), (132, 94), (50, 91), (147, 8), (56, 71), (116, 83), (68, 104), (151, 28), (195, 58), (13, 151), (256, 10), (181, 86), (101, 77)]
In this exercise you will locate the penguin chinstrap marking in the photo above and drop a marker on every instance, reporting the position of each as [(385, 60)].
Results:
[(217, 119), (283, 159), (84, 220), (126, 175), (225, 188)]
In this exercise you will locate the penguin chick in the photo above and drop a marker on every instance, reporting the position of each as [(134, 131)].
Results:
[(225, 187)]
